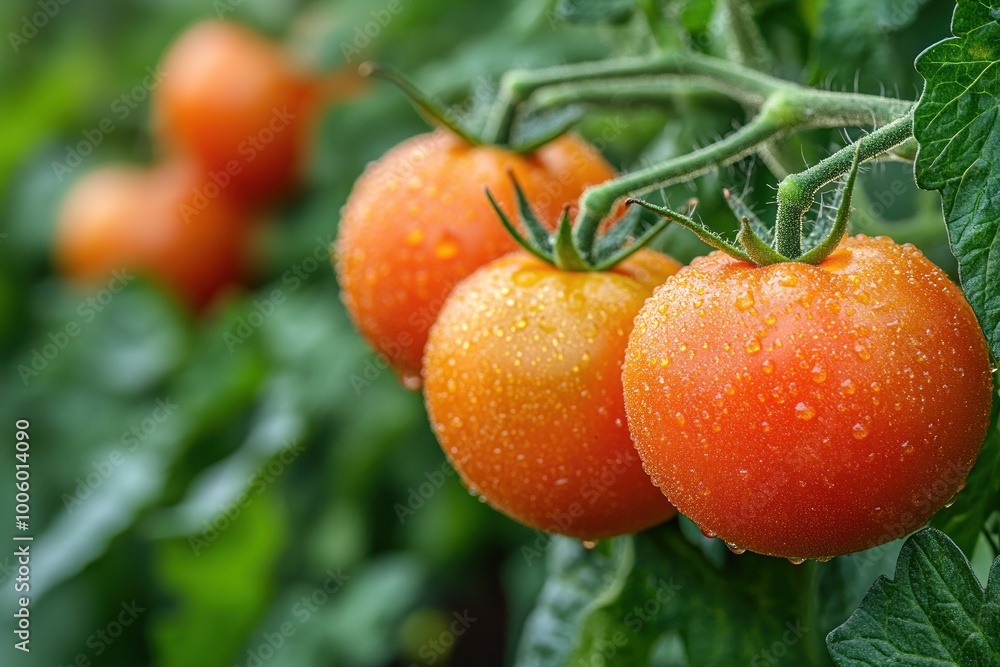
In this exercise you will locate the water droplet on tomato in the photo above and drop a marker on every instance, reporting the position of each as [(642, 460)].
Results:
[(415, 237), (735, 549), (796, 561), (589, 544), (951, 501), (752, 346), (745, 300), (788, 280), (447, 247), (804, 412), (818, 373), (860, 431), (411, 380)]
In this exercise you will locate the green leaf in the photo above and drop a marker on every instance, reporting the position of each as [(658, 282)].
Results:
[(853, 40), (933, 612), (221, 588), (964, 520), (601, 607), (595, 11), (957, 124), (580, 580)]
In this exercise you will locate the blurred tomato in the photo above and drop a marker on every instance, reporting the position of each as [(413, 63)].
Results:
[(235, 102), (165, 222)]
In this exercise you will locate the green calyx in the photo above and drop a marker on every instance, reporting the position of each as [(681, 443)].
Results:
[(755, 243), (562, 248)]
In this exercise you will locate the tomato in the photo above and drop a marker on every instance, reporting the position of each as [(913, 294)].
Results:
[(417, 222), (233, 101), (809, 411), (152, 221), (523, 387)]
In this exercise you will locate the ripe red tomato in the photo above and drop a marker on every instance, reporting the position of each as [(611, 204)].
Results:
[(152, 221), (809, 411), (417, 222), (233, 101), (523, 388)]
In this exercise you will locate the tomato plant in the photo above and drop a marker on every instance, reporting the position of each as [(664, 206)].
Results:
[(236, 103), (155, 222), (417, 223), (524, 391), (809, 411)]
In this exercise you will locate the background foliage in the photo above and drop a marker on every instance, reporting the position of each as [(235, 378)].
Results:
[(295, 490)]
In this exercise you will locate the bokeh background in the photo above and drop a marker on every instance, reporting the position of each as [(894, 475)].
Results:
[(222, 494)]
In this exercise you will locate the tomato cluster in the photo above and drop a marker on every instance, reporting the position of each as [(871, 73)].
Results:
[(795, 409), (232, 116)]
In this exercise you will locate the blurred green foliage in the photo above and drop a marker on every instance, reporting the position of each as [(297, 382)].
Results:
[(265, 517)]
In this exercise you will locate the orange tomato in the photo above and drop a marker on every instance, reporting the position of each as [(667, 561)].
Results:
[(523, 387), (157, 222), (417, 222), (233, 101), (809, 411)]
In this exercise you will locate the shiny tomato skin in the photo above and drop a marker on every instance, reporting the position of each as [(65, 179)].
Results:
[(150, 221), (523, 388), (233, 101), (809, 411), (417, 222)]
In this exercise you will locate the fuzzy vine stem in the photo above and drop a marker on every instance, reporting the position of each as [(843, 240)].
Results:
[(797, 192), (743, 84)]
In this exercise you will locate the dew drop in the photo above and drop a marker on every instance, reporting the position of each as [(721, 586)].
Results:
[(788, 280), (415, 237), (951, 501), (818, 374), (862, 351), (770, 319), (796, 561), (679, 418), (804, 412), (447, 247), (752, 346), (588, 544), (768, 366), (848, 386), (411, 381), (735, 549), (745, 300), (825, 559), (860, 431), (709, 534)]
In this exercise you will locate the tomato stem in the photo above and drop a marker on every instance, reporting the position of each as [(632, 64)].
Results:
[(797, 192)]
